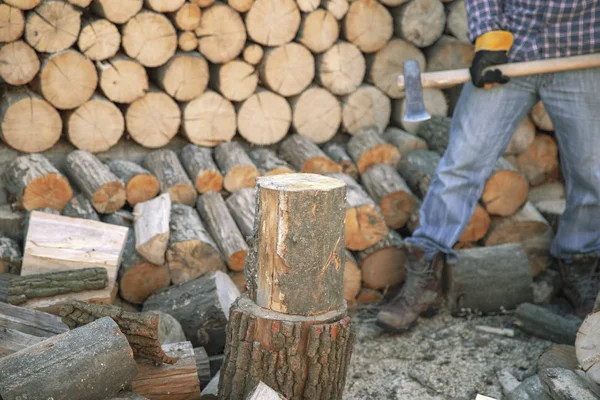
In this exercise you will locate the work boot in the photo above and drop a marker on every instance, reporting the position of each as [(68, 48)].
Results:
[(581, 283), (420, 294)]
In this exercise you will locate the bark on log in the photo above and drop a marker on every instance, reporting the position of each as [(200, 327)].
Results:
[(319, 30), (368, 25), (540, 160), (257, 337), (456, 21), (202, 366), (12, 23), (253, 54), (562, 383), (151, 226), (505, 191), (191, 251), (586, 346), (53, 27), (543, 323), (242, 206), (317, 114), (522, 138), (236, 80), (436, 105), (19, 63), (338, 8), (187, 41), (33, 372), (222, 33), (305, 156), (163, 381), (558, 355), (186, 17), (366, 107), (337, 152), (198, 163), (449, 53), (10, 256), (150, 38), (341, 68), (99, 39), (165, 164), (405, 142), (240, 6), (238, 169), (140, 184), (313, 203), (478, 226), (121, 217), (122, 79), (224, 231), (540, 117), (268, 163), (369, 148), (420, 22), (417, 169), (104, 189), (552, 210), (30, 322), (12, 341), (273, 24), (264, 118), (390, 192), (208, 120), (35, 183), (184, 76), (80, 207), (435, 132), (201, 306), (288, 69), (382, 265), (117, 11)]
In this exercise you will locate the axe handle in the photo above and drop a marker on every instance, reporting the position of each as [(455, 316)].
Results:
[(446, 79)]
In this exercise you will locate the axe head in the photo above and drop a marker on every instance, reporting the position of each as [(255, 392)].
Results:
[(415, 108)]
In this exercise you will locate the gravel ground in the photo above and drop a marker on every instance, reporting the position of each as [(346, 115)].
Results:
[(442, 358)]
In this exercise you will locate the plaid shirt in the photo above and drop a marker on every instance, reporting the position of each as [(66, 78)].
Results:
[(541, 28)]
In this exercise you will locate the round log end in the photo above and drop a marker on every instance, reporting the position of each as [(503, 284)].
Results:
[(51, 190), (397, 207), (321, 165), (209, 181), (240, 176), (505, 192), (383, 268), (477, 227), (142, 188), (380, 154), (352, 280), (365, 226), (140, 281), (191, 258), (109, 198), (237, 260), (279, 171), (183, 194)]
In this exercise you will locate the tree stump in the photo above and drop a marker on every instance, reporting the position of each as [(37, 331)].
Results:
[(200, 166)]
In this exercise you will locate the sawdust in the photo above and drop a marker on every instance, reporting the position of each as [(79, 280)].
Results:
[(442, 358)]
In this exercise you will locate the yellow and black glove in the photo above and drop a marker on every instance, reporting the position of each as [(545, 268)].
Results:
[(491, 49)]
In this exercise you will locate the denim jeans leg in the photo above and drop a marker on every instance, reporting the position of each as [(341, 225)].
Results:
[(572, 101), (482, 125)]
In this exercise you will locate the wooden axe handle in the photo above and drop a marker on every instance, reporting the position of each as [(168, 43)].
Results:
[(446, 79)]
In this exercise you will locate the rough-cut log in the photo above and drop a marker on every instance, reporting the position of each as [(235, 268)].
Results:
[(165, 6), (565, 384), (202, 366), (522, 138), (95, 126), (12, 222), (140, 184), (173, 179), (67, 79), (341, 68), (184, 77), (99, 39), (478, 226), (318, 31), (405, 142), (305, 156), (489, 280), (198, 163), (96, 181), (59, 367), (201, 306), (10, 256), (253, 54), (151, 225), (187, 41), (313, 351), (317, 114), (382, 264), (313, 204), (35, 183), (540, 160), (368, 24), (505, 191), (368, 296), (550, 191), (420, 22), (540, 117), (208, 120), (273, 23), (29, 123), (264, 118), (117, 11), (456, 21), (223, 229), (242, 206), (12, 341), (337, 152), (80, 207), (121, 217), (30, 322), (552, 210), (365, 225), (236, 80), (12, 23), (238, 169), (558, 355), (264, 392), (19, 63), (163, 381), (390, 192), (287, 69), (366, 107), (542, 322), (369, 148), (150, 38), (338, 8), (191, 251), (240, 6), (417, 169), (122, 79), (268, 163), (587, 345), (436, 105), (222, 33), (435, 132), (449, 53), (53, 27), (186, 17), (154, 119)]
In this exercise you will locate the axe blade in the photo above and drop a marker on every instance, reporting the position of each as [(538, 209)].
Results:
[(415, 108)]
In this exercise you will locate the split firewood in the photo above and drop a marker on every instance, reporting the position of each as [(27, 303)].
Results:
[(208, 120), (201, 305), (53, 27), (264, 118), (540, 117), (338, 8), (305, 156), (420, 22), (29, 123), (236, 80), (30, 322), (222, 33), (19, 63), (191, 251), (121, 217), (552, 210), (436, 105), (268, 163), (449, 53), (99, 39), (12, 23), (187, 41), (152, 228), (352, 278), (368, 25), (183, 77), (382, 265), (116, 11), (224, 231), (240, 6), (522, 138), (317, 114), (456, 21), (365, 108), (140, 329), (238, 169), (63, 363), (505, 190), (562, 383), (149, 27), (10, 256), (369, 148), (405, 142), (122, 79), (273, 24), (318, 31), (558, 356), (162, 6), (80, 207), (365, 225), (337, 151), (264, 392), (199, 164), (210, 391), (202, 366), (96, 181), (165, 165), (140, 184), (341, 68), (12, 341), (489, 279), (242, 206), (253, 54), (540, 160), (35, 183), (164, 381), (477, 227)]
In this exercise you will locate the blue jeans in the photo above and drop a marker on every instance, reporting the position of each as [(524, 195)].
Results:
[(483, 123)]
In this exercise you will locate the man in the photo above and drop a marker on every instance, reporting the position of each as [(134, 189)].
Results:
[(487, 114)]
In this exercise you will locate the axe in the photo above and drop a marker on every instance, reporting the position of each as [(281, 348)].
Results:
[(413, 82)]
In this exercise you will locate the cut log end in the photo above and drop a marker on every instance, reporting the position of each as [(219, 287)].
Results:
[(19, 63), (505, 192), (397, 207), (240, 176), (51, 190), (141, 188), (109, 198), (183, 194), (140, 281), (210, 180), (365, 226), (237, 260)]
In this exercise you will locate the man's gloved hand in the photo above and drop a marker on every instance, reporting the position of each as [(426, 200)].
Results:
[(491, 49)]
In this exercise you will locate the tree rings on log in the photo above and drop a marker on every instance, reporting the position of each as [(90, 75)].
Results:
[(150, 38), (208, 120), (222, 33), (122, 79), (273, 23), (338, 8), (19, 63), (368, 24), (187, 17), (341, 69), (253, 54), (53, 26), (236, 79), (318, 31), (238, 169), (165, 6), (505, 191), (366, 107), (382, 265), (287, 69), (187, 41), (12, 23), (198, 163), (99, 39), (317, 114), (420, 22), (264, 118), (478, 226), (540, 117), (184, 77), (369, 148), (117, 11), (522, 138)]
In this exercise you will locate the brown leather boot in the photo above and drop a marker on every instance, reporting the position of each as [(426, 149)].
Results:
[(581, 283), (420, 294)]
